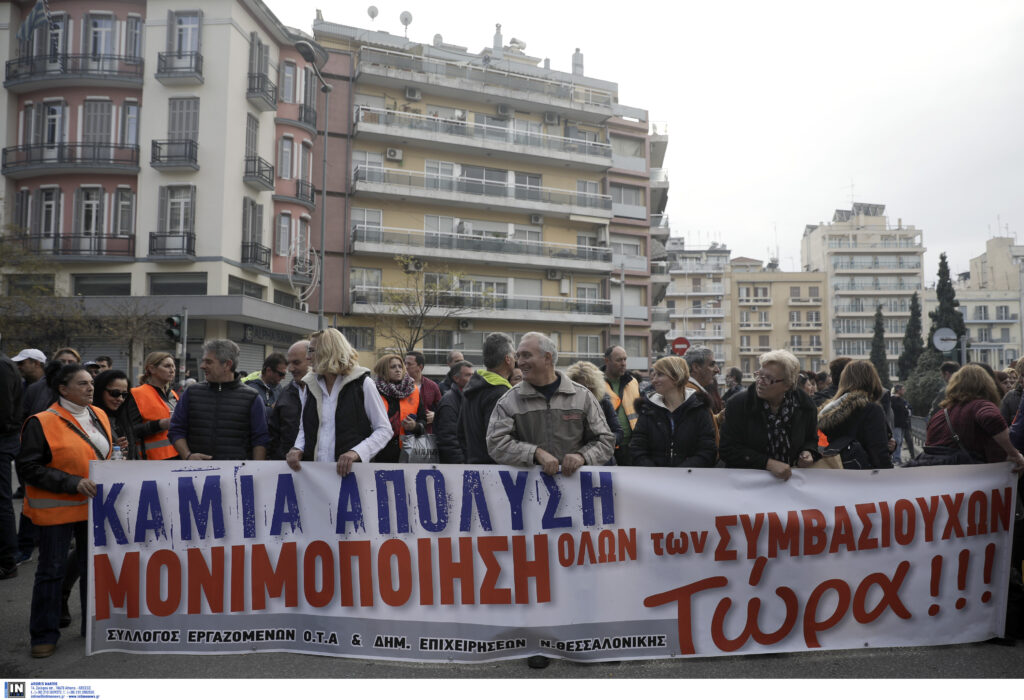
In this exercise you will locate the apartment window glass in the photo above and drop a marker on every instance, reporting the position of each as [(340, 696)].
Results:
[(286, 299), (283, 237), (302, 239), (185, 28), (794, 292), (285, 153), (586, 192), (763, 342), (625, 194), (812, 292), (29, 285), (101, 35), (287, 82), (124, 211), (528, 186), (795, 341), (439, 175), (984, 335), (635, 346), (115, 285), (763, 317), (587, 291), (252, 221), (55, 43), (588, 346), (814, 317), (1004, 335), (174, 283), (130, 124), (47, 220), (252, 135), (479, 180), (814, 341), (362, 338), (176, 208), (240, 287), (981, 313), (366, 285), (89, 211), (133, 37), (744, 341), (367, 224), (442, 224), (1003, 313), (20, 221)]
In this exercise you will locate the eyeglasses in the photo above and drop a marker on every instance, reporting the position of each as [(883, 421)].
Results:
[(279, 373), (115, 394), (762, 378)]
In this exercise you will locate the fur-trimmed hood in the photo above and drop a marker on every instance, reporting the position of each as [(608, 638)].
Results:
[(837, 411)]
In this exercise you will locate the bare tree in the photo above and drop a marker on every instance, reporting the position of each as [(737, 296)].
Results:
[(406, 316), (135, 320)]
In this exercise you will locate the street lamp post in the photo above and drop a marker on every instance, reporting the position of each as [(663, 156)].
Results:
[(307, 52)]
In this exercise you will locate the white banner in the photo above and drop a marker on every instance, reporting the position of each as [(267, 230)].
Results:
[(478, 563)]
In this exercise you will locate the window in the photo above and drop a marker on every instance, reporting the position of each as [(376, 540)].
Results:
[(1004, 335), (744, 316), (984, 335), (252, 222), (981, 313), (1003, 313), (252, 135), (367, 224), (761, 292), (130, 124), (97, 115), (814, 317), (745, 341), (283, 238), (174, 283), (528, 186), (20, 219), (814, 341), (101, 35), (439, 224), (183, 32), (489, 181), (367, 165), (588, 346), (46, 217), (133, 37), (124, 212), (306, 162), (119, 285), (812, 292), (259, 55), (240, 287), (587, 291), (635, 346), (88, 212), (763, 341), (365, 285), (50, 123), (29, 285), (177, 209), (286, 299), (302, 237), (794, 317), (796, 341), (183, 119), (361, 338), (586, 192), (628, 245), (55, 43), (625, 194), (794, 292), (285, 152), (763, 317), (287, 81)]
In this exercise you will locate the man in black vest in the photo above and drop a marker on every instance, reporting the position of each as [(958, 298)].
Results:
[(287, 411), (220, 418)]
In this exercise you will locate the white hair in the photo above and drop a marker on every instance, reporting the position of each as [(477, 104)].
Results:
[(546, 344)]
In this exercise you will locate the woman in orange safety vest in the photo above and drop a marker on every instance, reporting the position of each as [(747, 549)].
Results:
[(405, 406), (153, 401), (56, 447)]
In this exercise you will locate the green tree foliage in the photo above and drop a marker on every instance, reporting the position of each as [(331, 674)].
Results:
[(946, 314), (878, 358), (913, 343), (924, 382)]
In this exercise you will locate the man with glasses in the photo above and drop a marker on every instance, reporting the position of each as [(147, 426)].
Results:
[(268, 382)]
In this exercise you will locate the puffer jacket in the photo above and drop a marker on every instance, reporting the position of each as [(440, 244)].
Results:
[(684, 437), (572, 421), (855, 415), (744, 442)]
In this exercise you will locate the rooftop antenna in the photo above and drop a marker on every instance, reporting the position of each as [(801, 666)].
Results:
[(372, 11), (406, 19), (852, 197)]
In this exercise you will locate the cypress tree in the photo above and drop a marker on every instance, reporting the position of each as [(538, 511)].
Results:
[(878, 358), (946, 314), (913, 343)]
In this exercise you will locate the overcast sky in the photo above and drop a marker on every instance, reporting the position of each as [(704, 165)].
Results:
[(775, 109)]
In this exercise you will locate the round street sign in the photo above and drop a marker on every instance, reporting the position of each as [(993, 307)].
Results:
[(680, 346), (944, 339)]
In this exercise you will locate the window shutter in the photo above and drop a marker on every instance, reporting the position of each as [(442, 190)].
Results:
[(76, 225), (199, 31), (172, 32), (192, 208), (162, 211), (36, 224), (258, 233), (245, 219), (38, 121), (102, 198)]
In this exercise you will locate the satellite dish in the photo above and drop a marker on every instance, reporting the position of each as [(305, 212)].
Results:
[(372, 11)]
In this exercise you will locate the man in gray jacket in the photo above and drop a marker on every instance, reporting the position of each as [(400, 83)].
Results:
[(547, 419)]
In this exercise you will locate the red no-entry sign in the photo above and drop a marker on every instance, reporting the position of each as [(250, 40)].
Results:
[(680, 346)]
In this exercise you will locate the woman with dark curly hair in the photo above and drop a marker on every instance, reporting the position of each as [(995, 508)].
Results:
[(111, 393), (406, 411)]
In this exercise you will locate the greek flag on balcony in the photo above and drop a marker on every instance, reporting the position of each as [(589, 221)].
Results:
[(37, 17)]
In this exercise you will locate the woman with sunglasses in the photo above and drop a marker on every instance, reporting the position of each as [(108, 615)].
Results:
[(110, 393), (773, 424), (153, 404)]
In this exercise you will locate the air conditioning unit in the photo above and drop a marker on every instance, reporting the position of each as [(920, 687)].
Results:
[(536, 220), (554, 274), (303, 306), (504, 111), (413, 94), (414, 265), (393, 154), (551, 118), (465, 324)]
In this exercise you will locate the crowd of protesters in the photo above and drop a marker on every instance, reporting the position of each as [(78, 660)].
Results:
[(518, 409)]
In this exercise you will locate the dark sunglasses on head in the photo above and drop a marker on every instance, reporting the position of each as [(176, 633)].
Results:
[(114, 393)]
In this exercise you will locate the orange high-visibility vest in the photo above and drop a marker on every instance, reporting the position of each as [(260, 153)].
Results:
[(153, 407), (630, 393), (408, 407), (70, 453)]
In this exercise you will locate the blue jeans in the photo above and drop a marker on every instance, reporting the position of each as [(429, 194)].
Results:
[(8, 535), (54, 540), (897, 454)]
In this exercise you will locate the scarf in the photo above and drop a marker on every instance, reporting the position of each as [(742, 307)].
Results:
[(779, 425), (391, 390)]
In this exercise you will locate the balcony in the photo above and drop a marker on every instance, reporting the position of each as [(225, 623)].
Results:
[(660, 320), (705, 312), (179, 68), (256, 254), (804, 325), (660, 272), (660, 228), (59, 158), (806, 350), (506, 251), (703, 290), (174, 155), (703, 336), (689, 268), (82, 247), (754, 350), (387, 300), (481, 83), (805, 301), (634, 263), (756, 325), (870, 310), (261, 93), (754, 301), (73, 70), (877, 266), (303, 268), (478, 194), (172, 244), (259, 174), (659, 189), (304, 192), (883, 287), (386, 125)]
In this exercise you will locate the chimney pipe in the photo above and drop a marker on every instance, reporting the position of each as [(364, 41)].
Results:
[(577, 63)]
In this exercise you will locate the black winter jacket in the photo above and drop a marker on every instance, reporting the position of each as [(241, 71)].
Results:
[(681, 438), (744, 434), (856, 415), (446, 427), (478, 401), (283, 423)]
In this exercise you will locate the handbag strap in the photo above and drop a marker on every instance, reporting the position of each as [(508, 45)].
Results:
[(78, 431), (945, 412)]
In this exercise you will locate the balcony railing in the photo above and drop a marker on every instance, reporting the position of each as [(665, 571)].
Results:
[(172, 243), (460, 70), (685, 268), (870, 308), (47, 67), (754, 300), (473, 300), (76, 244), (174, 153), (179, 65), (486, 136), (483, 188), (259, 173), (880, 265), (261, 92), (304, 191), (413, 238), (255, 254), (877, 286), (804, 300), (307, 115), (61, 155), (710, 312)]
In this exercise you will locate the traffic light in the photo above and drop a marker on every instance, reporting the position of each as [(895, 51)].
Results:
[(173, 330)]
